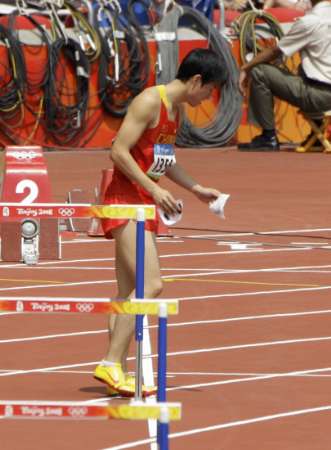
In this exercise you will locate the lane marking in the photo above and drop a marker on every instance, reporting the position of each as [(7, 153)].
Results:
[(183, 353), (191, 269), (13, 280), (51, 336), (51, 263), (253, 293), (226, 425), (230, 252), (298, 373), (253, 233), (194, 280), (81, 283), (173, 324)]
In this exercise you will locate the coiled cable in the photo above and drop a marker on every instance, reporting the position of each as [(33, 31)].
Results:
[(228, 114)]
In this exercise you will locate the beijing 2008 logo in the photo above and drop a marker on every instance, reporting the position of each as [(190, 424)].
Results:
[(66, 212)]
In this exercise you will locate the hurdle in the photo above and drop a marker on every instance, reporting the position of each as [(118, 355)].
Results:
[(138, 306), (22, 409)]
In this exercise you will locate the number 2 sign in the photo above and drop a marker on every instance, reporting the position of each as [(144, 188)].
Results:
[(26, 181), (25, 178)]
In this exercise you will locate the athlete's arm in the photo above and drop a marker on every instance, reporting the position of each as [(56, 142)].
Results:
[(141, 114), (178, 175)]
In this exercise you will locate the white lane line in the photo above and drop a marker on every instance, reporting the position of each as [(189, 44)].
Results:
[(175, 324), (296, 269), (285, 269), (243, 318), (80, 283), (186, 275), (89, 260), (253, 233), (251, 374), (56, 263), (51, 336), (46, 369), (230, 252), (89, 241), (220, 426), (253, 293), (256, 375), (185, 352), (248, 379), (85, 241)]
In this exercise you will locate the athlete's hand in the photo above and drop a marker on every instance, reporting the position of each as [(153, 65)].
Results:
[(243, 77), (205, 194), (165, 200)]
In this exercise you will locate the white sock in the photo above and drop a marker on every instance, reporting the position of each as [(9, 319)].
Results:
[(106, 363)]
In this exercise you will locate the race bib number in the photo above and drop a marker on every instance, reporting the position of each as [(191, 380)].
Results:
[(164, 157)]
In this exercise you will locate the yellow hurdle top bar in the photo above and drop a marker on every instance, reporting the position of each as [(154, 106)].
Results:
[(16, 211)]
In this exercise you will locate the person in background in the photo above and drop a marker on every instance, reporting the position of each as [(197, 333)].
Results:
[(142, 152), (309, 90), (300, 5)]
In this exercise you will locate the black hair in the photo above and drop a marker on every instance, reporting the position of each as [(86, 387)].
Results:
[(204, 62)]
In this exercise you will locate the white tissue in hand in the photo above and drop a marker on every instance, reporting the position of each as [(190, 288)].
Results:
[(171, 219), (217, 206)]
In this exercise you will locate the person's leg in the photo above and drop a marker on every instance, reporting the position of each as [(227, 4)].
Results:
[(267, 82), (122, 327)]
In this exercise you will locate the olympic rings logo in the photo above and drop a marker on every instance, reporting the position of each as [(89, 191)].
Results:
[(24, 156), (85, 307), (77, 411), (66, 212)]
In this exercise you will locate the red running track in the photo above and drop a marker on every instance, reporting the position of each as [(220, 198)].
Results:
[(249, 353)]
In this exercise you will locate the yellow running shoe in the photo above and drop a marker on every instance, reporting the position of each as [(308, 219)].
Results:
[(119, 383), (130, 382), (113, 376)]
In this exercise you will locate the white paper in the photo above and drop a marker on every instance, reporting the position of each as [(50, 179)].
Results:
[(171, 219), (217, 206)]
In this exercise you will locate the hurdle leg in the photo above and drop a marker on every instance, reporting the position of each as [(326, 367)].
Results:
[(163, 423), (140, 287)]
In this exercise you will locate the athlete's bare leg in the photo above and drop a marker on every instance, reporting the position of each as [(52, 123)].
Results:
[(122, 327)]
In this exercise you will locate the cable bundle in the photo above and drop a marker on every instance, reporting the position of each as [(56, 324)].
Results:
[(250, 26), (228, 114), (88, 37), (13, 80), (66, 119), (124, 60)]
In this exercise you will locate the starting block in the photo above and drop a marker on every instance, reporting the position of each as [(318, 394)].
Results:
[(26, 181)]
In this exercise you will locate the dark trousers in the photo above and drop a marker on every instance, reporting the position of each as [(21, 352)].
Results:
[(268, 81)]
